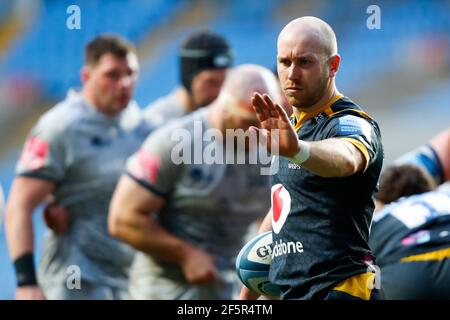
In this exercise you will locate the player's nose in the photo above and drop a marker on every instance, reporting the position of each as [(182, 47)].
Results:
[(126, 81), (294, 73)]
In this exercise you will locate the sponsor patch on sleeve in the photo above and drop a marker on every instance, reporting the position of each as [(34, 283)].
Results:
[(34, 154), (145, 166), (352, 125)]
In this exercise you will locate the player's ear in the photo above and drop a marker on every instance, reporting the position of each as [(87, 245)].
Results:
[(85, 74), (334, 64)]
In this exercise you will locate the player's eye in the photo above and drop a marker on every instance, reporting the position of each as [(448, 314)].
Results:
[(284, 62), (305, 62), (113, 75)]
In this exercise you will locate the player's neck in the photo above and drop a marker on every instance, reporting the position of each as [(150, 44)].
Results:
[(318, 107), (186, 100), (89, 98)]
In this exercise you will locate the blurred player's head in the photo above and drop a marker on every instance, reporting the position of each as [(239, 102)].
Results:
[(204, 59), (402, 181), (109, 73), (237, 91), (307, 61)]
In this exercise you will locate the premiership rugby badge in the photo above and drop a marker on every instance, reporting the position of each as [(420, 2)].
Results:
[(34, 153), (145, 166)]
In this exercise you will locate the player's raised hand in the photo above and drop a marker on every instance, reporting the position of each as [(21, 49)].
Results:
[(272, 116)]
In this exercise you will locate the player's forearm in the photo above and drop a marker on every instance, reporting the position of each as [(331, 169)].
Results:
[(333, 158), (19, 230), (147, 235), (25, 195)]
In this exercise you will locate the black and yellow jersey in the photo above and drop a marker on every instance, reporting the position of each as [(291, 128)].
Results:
[(411, 239), (415, 228), (321, 225)]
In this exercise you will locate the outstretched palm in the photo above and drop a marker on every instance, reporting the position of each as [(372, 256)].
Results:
[(272, 116)]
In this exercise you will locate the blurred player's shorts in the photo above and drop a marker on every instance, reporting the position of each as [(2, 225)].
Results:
[(86, 291)]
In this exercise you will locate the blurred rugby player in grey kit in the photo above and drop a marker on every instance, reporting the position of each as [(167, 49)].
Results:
[(188, 220), (76, 152), (204, 58)]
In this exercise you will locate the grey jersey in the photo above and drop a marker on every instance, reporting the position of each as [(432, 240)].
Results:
[(164, 109), (84, 152), (209, 205)]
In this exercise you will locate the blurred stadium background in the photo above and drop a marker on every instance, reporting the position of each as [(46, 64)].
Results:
[(400, 73)]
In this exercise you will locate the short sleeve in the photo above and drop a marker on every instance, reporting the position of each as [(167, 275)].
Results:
[(153, 165), (43, 155)]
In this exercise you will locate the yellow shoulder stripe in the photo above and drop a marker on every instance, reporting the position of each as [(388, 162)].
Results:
[(361, 147), (428, 256), (330, 112)]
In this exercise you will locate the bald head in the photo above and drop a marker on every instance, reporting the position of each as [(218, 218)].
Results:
[(307, 63), (240, 85), (242, 81), (313, 31)]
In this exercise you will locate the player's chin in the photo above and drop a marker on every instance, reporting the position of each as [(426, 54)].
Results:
[(121, 104), (295, 100)]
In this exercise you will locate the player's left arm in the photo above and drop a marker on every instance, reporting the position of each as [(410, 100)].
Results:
[(335, 157), (348, 149)]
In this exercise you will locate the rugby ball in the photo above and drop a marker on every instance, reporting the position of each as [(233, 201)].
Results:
[(253, 264)]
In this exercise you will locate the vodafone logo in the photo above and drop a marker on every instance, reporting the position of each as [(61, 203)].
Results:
[(281, 205)]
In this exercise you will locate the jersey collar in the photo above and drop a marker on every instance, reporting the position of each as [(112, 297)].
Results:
[(304, 116)]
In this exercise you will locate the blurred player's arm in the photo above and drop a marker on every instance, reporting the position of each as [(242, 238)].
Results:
[(131, 219), (433, 157), (26, 194), (441, 145), (266, 223)]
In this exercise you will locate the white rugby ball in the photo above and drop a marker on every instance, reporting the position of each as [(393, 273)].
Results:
[(253, 264)]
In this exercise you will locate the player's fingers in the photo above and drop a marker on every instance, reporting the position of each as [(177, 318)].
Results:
[(253, 129), (261, 136), (260, 107), (270, 106), (208, 277), (264, 138), (282, 113), (259, 115), (247, 294)]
